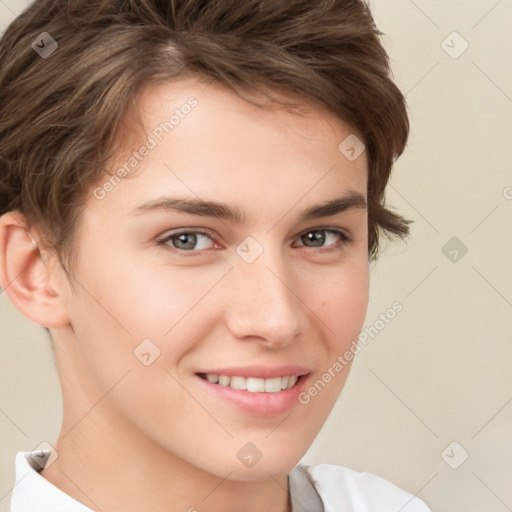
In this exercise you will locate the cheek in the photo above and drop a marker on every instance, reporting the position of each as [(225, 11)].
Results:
[(343, 302), (143, 319), (121, 329)]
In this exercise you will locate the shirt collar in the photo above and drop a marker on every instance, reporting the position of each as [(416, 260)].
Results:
[(33, 492)]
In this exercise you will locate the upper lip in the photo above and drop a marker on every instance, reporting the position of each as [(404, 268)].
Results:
[(260, 372)]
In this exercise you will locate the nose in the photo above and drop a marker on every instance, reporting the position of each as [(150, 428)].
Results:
[(264, 301)]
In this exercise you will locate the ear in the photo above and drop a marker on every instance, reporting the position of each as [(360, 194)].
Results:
[(25, 275)]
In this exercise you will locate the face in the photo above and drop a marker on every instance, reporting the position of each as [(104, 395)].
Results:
[(165, 294)]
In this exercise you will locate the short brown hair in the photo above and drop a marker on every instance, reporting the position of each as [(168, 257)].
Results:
[(60, 114)]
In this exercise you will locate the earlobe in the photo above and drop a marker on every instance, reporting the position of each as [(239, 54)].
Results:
[(25, 277)]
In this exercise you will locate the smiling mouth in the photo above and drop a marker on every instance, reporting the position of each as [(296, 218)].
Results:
[(253, 384)]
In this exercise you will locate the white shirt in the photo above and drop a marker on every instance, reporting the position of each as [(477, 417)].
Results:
[(319, 488)]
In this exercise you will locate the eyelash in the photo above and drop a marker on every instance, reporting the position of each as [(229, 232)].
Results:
[(331, 248)]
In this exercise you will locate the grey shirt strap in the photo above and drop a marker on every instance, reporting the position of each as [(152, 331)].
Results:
[(303, 493)]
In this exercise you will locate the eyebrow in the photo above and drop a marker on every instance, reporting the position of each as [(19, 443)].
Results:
[(348, 201)]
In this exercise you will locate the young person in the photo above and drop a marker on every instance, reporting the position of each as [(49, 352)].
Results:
[(191, 195)]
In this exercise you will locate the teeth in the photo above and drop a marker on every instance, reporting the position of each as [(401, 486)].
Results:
[(253, 384), (223, 380)]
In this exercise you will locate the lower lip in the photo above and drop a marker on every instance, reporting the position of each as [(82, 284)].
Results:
[(260, 404)]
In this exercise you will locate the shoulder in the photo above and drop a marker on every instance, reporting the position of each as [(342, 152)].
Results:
[(360, 491)]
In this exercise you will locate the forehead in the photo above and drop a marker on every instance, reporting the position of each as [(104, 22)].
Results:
[(221, 107), (206, 141)]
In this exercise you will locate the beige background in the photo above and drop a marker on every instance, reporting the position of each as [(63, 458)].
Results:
[(440, 371)]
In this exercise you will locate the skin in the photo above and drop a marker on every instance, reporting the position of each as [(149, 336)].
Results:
[(152, 432)]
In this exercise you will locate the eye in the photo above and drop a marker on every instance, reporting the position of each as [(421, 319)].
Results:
[(318, 238), (187, 241)]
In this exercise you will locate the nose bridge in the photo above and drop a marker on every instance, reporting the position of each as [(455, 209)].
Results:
[(263, 302)]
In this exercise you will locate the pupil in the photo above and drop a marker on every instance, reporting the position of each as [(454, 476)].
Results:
[(316, 236), (183, 237)]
